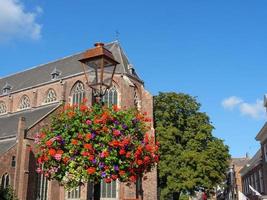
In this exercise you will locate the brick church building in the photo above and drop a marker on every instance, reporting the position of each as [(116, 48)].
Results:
[(28, 98)]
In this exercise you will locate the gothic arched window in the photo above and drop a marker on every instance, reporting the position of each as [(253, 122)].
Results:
[(5, 181), (51, 96), (3, 108), (78, 93), (24, 102), (74, 194), (111, 97), (42, 184)]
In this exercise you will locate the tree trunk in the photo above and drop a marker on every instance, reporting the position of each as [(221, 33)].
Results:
[(176, 195)]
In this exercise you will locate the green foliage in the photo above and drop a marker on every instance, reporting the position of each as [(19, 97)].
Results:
[(191, 157), (7, 193), (86, 144)]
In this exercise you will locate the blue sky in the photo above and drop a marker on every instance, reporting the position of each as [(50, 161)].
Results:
[(215, 50)]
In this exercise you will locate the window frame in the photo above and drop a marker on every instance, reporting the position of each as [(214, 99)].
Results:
[(77, 94), (50, 99), (3, 108), (26, 104)]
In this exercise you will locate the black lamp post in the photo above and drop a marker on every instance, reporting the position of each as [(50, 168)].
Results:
[(99, 67)]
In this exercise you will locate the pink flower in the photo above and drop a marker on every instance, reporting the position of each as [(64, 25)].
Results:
[(116, 133), (88, 122), (58, 157), (38, 170)]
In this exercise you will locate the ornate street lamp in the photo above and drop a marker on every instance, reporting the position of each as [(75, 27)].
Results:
[(99, 66)]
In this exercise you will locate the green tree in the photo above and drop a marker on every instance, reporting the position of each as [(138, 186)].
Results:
[(7, 193), (190, 156)]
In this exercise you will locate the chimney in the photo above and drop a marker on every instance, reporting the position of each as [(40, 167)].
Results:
[(99, 44)]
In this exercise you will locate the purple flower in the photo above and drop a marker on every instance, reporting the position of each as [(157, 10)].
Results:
[(94, 161), (117, 122), (124, 126), (101, 165), (134, 121), (116, 167), (103, 174)]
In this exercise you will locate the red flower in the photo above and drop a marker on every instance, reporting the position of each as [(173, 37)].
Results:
[(40, 160), (106, 167), (91, 157), (88, 146), (116, 133), (80, 136), (108, 180), (91, 170), (60, 151), (133, 178), (88, 136), (114, 177), (85, 153), (122, 152), (42, 135), (45, 158), (149, 147), (83, 108), (52, 152), (49, 143), (139, 162), (121, 172), (74, 142), (71, 114), (65, 159), (146, 159), (128, 154), (115, 108)]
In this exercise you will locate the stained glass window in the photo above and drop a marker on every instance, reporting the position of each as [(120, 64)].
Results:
[(3, 108), (109, 190), (78, 93), (74, 194), (51, 96), (42, 187), (5, 181), (111, 97), (24, 102)]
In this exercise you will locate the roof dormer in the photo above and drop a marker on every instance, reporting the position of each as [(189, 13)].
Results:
[(55, 74), (6, 89)]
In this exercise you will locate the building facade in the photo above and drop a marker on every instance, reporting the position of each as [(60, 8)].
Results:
[(28, 98)]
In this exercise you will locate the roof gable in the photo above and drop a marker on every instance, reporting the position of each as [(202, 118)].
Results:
[(68, 66)]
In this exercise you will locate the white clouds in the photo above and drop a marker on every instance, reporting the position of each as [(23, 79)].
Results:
[(15, 22), (231, 102), (254, 110)]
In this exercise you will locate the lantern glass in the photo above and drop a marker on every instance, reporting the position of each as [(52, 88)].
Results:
[(100, 74)]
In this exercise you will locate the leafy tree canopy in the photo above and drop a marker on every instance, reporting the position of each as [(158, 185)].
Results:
[(191, 157)]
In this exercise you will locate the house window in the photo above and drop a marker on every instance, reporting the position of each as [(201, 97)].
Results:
[(42, 187), (24, 103), (111, 97), (51, 96), (256, 178), (5, 181), (265, 151), (74, 194), (137, 101), (109, 190), (3, 108), (78, 93), (261, 180), (13, 161)]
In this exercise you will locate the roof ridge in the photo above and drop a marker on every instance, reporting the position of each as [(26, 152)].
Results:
[(40, 65)]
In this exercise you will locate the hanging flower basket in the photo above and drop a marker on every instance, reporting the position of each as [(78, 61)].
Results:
[(87, 144)]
